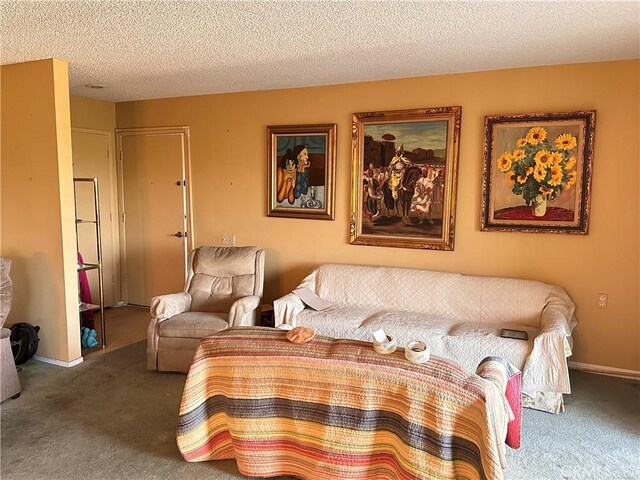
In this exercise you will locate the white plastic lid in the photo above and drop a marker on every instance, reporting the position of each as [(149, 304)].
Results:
[(380, 336)]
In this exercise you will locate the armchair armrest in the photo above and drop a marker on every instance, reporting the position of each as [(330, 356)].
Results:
[(243, 312), (162, 308), (547, 368), (166, 306)]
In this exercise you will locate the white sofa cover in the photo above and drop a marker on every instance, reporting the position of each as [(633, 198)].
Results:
[(459, 316)]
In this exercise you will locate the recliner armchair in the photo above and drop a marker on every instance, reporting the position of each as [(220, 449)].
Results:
[(9, 381), (223, 289)]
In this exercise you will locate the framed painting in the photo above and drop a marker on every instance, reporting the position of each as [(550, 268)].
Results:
[(404, 178), (301, 171), (537, 172)]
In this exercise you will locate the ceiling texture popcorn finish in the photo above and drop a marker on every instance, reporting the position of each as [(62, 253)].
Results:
[(153, 49)]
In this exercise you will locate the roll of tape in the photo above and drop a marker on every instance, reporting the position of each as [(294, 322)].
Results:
[(416, 351), (388, 346)]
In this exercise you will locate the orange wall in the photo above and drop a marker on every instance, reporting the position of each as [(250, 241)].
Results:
[(38, 231), (92, 113), (229, 169)]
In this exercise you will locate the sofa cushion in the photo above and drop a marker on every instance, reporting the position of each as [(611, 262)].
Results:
[(407, 326), (466, 342), (193, 325), (334, 321)]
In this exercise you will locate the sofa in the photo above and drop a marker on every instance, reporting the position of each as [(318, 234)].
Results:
[(459, 316)]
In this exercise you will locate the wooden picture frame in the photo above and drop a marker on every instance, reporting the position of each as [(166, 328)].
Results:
[(301, 161), (537, 172), (404, 173)]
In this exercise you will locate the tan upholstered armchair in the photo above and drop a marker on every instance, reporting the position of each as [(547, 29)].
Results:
[(9, 382), (223, 289)]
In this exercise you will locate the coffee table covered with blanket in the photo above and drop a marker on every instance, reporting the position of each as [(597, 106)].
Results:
[(337, 409)]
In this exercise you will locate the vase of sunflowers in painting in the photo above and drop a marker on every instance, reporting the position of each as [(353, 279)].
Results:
[(538, 169)]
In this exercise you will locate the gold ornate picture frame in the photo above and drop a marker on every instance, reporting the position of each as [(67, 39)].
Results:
[(301, 174), (537, 172), (404, 176)]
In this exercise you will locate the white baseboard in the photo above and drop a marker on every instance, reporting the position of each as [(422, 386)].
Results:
[(602, 370), (59, 363)]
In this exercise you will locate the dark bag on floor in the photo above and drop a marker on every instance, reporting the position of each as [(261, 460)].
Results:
[(24, 341)]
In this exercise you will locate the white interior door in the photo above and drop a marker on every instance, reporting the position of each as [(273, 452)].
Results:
[(93, 157), (156, 211)]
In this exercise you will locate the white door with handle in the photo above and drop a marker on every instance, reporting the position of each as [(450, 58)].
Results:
[(155, 211)]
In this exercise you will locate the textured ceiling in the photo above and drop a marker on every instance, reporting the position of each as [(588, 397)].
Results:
[(152, 49)]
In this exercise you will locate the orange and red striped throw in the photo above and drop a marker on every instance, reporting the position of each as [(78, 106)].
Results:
[(335, 409)]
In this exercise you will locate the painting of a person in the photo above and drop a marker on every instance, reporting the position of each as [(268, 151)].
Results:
[(301, 154), (286, 180), (301, 171), (370, 171), (371, 194), (437, 197), (399, 163), (421, 203)]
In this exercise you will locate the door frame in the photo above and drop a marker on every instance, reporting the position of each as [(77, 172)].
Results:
[(189, 240), (113, 200)]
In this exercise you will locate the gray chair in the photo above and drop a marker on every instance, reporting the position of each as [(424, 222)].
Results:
[(9, 382), (223, 289)]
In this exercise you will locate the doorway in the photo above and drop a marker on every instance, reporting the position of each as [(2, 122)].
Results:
[(93, 157), (156, 230)]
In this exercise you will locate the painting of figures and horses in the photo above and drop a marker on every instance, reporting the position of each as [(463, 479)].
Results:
[(301, 171), (404, 178)]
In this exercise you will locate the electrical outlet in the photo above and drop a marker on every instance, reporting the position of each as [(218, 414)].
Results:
[(602, 300), (228, 239)]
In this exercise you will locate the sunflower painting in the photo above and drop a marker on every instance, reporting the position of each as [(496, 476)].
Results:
[(537, 172)]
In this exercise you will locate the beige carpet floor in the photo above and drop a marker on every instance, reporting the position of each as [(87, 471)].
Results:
[(108, 418)]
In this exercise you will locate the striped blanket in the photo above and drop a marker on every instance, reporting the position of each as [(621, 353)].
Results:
[(335, 409)]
